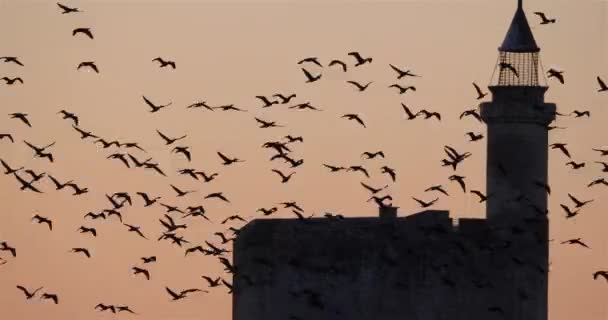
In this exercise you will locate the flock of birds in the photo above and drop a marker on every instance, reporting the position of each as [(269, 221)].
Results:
[(128, 153)]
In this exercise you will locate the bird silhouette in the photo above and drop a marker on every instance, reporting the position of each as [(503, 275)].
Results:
[(359, 86), (212, 282), (85, 31), (121, 157), (39, 219), (292, 139), (284, 99), (69, 115), (169, 140), (474, 137), (577, 241), (409, 113), (360, 169), (138, 270), (153, 107), (200, 104), (508, 66), (84, 251), (102, 307), (401, 73), (438, 188), (579, 114), (50, 296), (559, 75), (473, 113), (266, 101), (428, 114), (562, 147), (233, 217), (543, 18), (303, 106), (27, 293), (577, 202), (359, 58), (372, 189), (602, 84), (309, 77), (575, 165), (227, 160), (338, 63), (136, 229), (460, 180), (4, 246), (334, 168), (372, 155), (352, 116), (481, 196), (84, 134), (401, 89), (390, 172), (147, 200), (148, 259), (11, 81), (84, 229), (14, 60), (67, 9), (7, 136), (597, 182), (268, 211), (164, 63), (217, 195), (184, 151), (569, 212), (267, 124), (600, 273), (88, 64), (480, 94), (284, 178), (22, 117), (177, 296), (181, 193), (26, 185), (95, 216), (229, 107), (425, 204)]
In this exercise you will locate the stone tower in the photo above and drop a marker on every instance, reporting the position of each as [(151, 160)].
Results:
[(517, 158)]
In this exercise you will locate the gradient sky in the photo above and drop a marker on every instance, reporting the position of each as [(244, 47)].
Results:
[(227, 52)]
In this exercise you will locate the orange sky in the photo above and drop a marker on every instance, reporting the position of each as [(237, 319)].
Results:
[(227, 52)]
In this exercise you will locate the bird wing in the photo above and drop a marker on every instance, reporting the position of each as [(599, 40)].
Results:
[(221, 155), (601, 83), (477, 88), (23, 289), (541, 15)]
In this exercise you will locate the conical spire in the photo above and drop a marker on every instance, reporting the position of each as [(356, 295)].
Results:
[(519, 38)]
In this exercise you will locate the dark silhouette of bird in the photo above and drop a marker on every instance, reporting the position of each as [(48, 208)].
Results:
[(88, 64), (217, 195), (169, 140), (84, 134), (95, 216), (472, 113), (482, 197), (227, 160), (22, 117), (360, 169), (39, 219), (103, 307), (124, 309), (562, 147), (409, 113), (428, 114), (77, 190), (401, 89), (132, 145), (136, 229), (372, 155), (27, 293), (207, 178), (292, 139), (212, 282), (267, 124), (153, 107), (11, 81), (26, 185), (4, 246), (284, 178), (229, 107), (352, 116), (314, 60), (425, 204), (138, 270), (138, 163), (602, 152), (59, 185), (559, 75), (480, 94), (575, 165), (359, 86), (575, 241), (303, 106), (69, 115), (268, 211), (199, 104), (148, 201), (121, 157), (474, 137), (177, 296), (7, 136), (84, 229), (339, 63), (14, 60), (334, 168), (267, 103), (309, 77), (579, 114), (543, 17), (223, 237), (184, 151), (181, 193), (401, 73), (372, 189), (85, 31), (359, 58), (148, 259), (67, 9), (460, 180), (284, 99), (39, 152), (508, 66), (569, 212), (50, 296), (604, 165), (602, 84), (113, 212), (233, 217), (84, 251), (437, 188), (600, 273), (577, 202), (380, 200), (598, 181), (164, 63), (390, 172), (170, 208), (35, 177)]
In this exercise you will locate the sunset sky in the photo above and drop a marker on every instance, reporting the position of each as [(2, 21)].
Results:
[(227, 52)]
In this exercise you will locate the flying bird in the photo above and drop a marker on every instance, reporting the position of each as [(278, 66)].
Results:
[(569, 212), (309, 77), (481, 196), (437, 188), (372, 155), (179, 192), (184, 151), (338, 63), (27, 293), (182, 294), (199, 104), (85, 31), (472, 113), (474, 137), (14, 60), (425, 204), (218, 195), (508, 66), (50, 296), (69, 115), (602, 84), (390, 172), (355, 117), (314, 60), (480, 94), (575, 165), (460, 180), (575, 241), (409, 113), (562, 147), (39, 219), (154, 107), (559, 75), (169, 140), (164, 63), (82, 250), (88, 64), (147, 200), (543, 17), (7, 136), (401, 89), (401, 73), (266, 101), (227, 160), (11, 81), (359, 86), (359, 58), (4, 246), (137, 270), (600, 273), (267, 124), (135, 229), (284, 178), (577, 202), (22, 117), (284, 99), (67, 9)]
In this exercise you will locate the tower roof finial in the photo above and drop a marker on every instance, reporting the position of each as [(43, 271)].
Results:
[(519, 4), (519, 38)]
